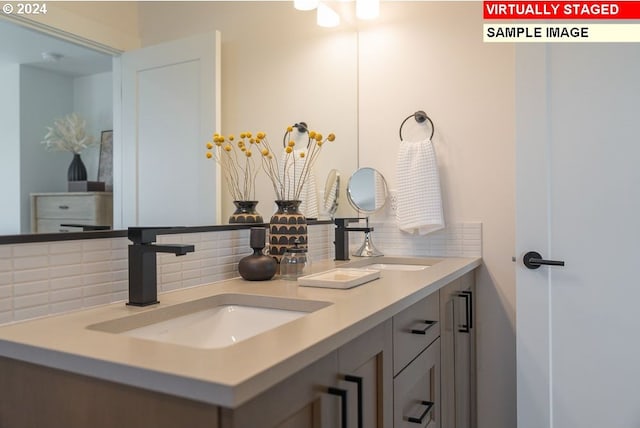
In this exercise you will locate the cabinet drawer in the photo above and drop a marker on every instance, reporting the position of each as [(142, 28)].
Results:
[(72, 206), (414, 329), (416, 391), (54, 226)]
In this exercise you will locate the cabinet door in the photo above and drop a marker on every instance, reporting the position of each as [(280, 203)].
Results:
[(365, 371), (301, 401), (417, 391), (448, 325), (464, 337)]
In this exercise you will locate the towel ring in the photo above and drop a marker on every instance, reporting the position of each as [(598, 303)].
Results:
[(301, 127), (420, 117)]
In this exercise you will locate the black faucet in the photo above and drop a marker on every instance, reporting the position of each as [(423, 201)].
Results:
[(341, 241), (143, 287)]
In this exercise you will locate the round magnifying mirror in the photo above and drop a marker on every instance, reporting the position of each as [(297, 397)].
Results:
[(331, 192), (367, 190)]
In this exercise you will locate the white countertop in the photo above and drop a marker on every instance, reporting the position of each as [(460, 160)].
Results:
[(227, 376)]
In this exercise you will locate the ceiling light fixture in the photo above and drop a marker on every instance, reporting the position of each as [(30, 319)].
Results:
[(367, 9), (327, 17), (305, 4)]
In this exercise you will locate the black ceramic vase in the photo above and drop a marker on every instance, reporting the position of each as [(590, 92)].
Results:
[(287, 226), (245, 213), (77, 170), (257, 266)]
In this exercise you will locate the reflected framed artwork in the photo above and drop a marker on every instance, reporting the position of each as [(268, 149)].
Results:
[(105, 164)]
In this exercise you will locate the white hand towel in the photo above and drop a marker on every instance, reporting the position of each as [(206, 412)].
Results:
[(292, 176), (419, 208)]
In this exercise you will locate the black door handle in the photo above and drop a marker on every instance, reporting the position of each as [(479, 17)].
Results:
[(533, 260)]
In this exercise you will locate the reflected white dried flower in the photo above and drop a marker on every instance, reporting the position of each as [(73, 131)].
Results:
[(68, 134)]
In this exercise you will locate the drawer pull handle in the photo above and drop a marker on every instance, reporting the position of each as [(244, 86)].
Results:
[(428, 325), (63, 207), (420, 419), (468, 308), (342, 393), (358, 381)]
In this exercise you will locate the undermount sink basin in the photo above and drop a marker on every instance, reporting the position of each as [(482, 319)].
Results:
[(397, 266), (214, 322)]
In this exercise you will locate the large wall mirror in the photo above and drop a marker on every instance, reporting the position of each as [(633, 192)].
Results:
[(269, 80)]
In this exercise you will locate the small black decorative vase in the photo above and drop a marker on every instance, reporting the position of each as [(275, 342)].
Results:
[(246, 213), (257, 266), (77, 170)]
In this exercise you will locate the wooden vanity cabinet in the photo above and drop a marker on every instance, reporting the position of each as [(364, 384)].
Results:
[(356, 379), (306, 399), (365, 370), (458, 353), (416, 358)]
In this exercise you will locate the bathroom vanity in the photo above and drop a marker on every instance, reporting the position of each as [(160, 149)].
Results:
[(394, 352)]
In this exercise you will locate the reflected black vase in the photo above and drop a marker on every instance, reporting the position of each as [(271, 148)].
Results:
[(257, 266), (246, 213), (77, 170)]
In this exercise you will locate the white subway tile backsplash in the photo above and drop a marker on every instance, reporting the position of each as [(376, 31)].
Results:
[(65, 259), (6, 304), (6, 291), (28, 250), (31, 288), (21, 302), (31, 262), (65, 271), (66, 294), (65, 306), (31, 275), (6, 251), (6, 317), (66, 282), (96, 245), (65, 247), (50, 278), (89, 268), (5, 278), (30, 313)]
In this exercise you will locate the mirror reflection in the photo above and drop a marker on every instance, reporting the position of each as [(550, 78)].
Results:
[(331, 194), (367, 190), (318, 65)]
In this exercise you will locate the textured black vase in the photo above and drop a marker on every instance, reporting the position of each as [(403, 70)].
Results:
[(287, 227), (246, 213), (77, 171), (257, 266)]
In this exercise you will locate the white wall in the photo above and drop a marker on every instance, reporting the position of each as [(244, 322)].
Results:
[(430, 56), (9, 150), (93, 100), (418, 55), (44, 97), (278, 67)]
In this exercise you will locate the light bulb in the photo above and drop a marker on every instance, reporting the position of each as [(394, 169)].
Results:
[(367, 9), (327, 17), (305, 4)]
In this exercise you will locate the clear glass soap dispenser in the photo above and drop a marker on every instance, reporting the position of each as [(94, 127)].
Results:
[(295, 262)]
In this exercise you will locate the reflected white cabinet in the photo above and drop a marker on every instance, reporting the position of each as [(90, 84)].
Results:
[(50, 211)]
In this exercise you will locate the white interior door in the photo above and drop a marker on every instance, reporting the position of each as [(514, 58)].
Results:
[(170, 107), (578, 157)]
